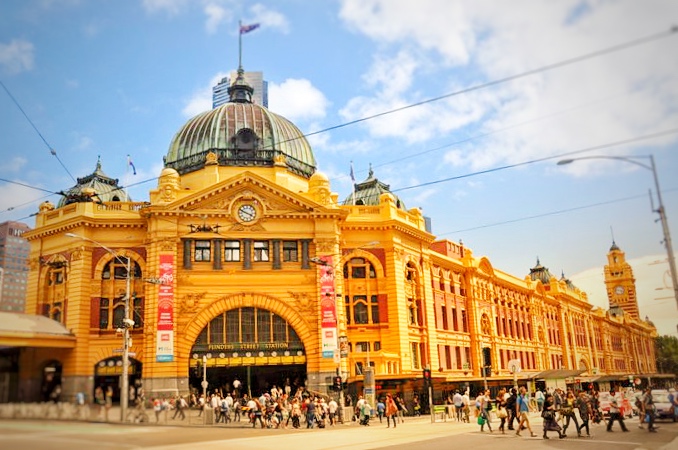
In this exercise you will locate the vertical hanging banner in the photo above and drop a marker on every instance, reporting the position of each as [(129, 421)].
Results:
[(328, 308), (164, 347)]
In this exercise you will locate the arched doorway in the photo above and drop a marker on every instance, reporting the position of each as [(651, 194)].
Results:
[(254, 345), (108, 372)]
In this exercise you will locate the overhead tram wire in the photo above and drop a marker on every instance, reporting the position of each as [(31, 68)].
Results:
[(51, 150), (551, 213), (615, 48), (483, 135), (672, 31), (546, 158)]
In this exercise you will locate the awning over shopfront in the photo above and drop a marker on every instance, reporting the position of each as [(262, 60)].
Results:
[(556, 373), (28, 330)]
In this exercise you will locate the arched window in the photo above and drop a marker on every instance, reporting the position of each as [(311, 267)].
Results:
[(114, 291), (55, 291), (359, 268)]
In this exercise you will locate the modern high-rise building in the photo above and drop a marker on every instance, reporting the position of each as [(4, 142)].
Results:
[(254, 79), (13, 266)]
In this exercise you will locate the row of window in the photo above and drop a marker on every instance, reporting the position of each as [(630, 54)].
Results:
[(459, 321), (233, 251)]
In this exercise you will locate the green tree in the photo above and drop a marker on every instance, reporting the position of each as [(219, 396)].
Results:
[(666, 348)]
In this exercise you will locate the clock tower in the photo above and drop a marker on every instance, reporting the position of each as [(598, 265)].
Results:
[(620, 284)]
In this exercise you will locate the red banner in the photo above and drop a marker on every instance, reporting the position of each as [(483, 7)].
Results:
[(165, 327)]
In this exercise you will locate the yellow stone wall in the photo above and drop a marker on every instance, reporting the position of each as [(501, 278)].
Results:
[(394, 241)]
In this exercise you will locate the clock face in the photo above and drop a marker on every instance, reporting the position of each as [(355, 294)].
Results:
[(619, 290), (247, 213)]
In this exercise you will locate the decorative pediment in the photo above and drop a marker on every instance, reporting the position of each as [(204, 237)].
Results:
[(228, 194)]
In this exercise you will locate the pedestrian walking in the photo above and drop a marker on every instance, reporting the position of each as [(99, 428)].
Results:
[(649, 409), (501, 409), (615, 414), (548, 413), (522, 410), (391, 410), (567, 411), (484, 406), (584, 406)]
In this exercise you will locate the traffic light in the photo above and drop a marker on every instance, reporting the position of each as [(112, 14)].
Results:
[(427, 375), (337, 384), (487, 357)]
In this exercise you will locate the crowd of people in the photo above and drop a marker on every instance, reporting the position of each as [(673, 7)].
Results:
[(559, 409), (273, 409)]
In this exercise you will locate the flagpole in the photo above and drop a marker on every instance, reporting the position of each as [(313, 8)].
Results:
[(239, 43), (353, 183)]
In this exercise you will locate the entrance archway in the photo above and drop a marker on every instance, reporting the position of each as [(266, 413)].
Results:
[(254, 345), (108, 373)]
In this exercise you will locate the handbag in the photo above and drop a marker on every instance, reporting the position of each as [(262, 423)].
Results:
[(547, 414), (481, 420), (501, 413)]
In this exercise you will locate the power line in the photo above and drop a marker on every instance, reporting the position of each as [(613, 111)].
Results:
[(615, 48), (51, 150), (524, 163), (552, 213)]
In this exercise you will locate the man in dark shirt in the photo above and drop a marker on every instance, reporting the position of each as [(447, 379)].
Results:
[(511, 408)]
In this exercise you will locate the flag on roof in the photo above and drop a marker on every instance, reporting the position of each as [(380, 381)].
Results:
[(247, 28), (131, 164)]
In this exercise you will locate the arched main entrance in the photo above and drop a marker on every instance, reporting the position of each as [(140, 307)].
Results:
[(108, 373), (254, 345)]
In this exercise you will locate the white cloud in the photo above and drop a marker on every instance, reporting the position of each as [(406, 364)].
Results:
[(14, 164), (17, 56), (432, 24), (216, 15), (201, 100), (297, 99), (16, 198), (170, 7), (269, 19), (441, 47)]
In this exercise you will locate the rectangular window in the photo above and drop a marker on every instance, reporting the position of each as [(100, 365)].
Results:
[(377, 346), (138, 313), (217, 330), (362, 347), (415, 355), (448, 357), (467, 355), (233, 326), (358, 272), (464, 322), (232, 251), (247, 324), (360, 309), (443, 311), (203, 251), (263, 325), (457, 355), (290, 251), (261, 251), (374, 306), (455, 324), (103, 314)]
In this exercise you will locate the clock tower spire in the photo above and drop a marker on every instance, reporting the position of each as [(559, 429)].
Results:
[(620, 284)]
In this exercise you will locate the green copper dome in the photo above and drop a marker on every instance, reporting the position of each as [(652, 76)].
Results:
[(240, 133), (96, 187)]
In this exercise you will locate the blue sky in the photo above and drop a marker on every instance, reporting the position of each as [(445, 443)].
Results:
[(113, 78)]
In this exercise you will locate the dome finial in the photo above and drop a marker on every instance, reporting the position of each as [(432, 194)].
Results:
[(98, 168), (239, 91)]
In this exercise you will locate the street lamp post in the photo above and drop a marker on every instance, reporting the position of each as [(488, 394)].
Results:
[(660, 210), (127, 323)]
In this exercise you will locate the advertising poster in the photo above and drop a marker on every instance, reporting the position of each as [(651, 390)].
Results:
[(164, 350), (328, 308)]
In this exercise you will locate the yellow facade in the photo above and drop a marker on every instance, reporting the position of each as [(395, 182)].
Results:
[(250, 248)]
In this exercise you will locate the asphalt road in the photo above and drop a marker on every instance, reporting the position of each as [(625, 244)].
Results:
[(414, 434)]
